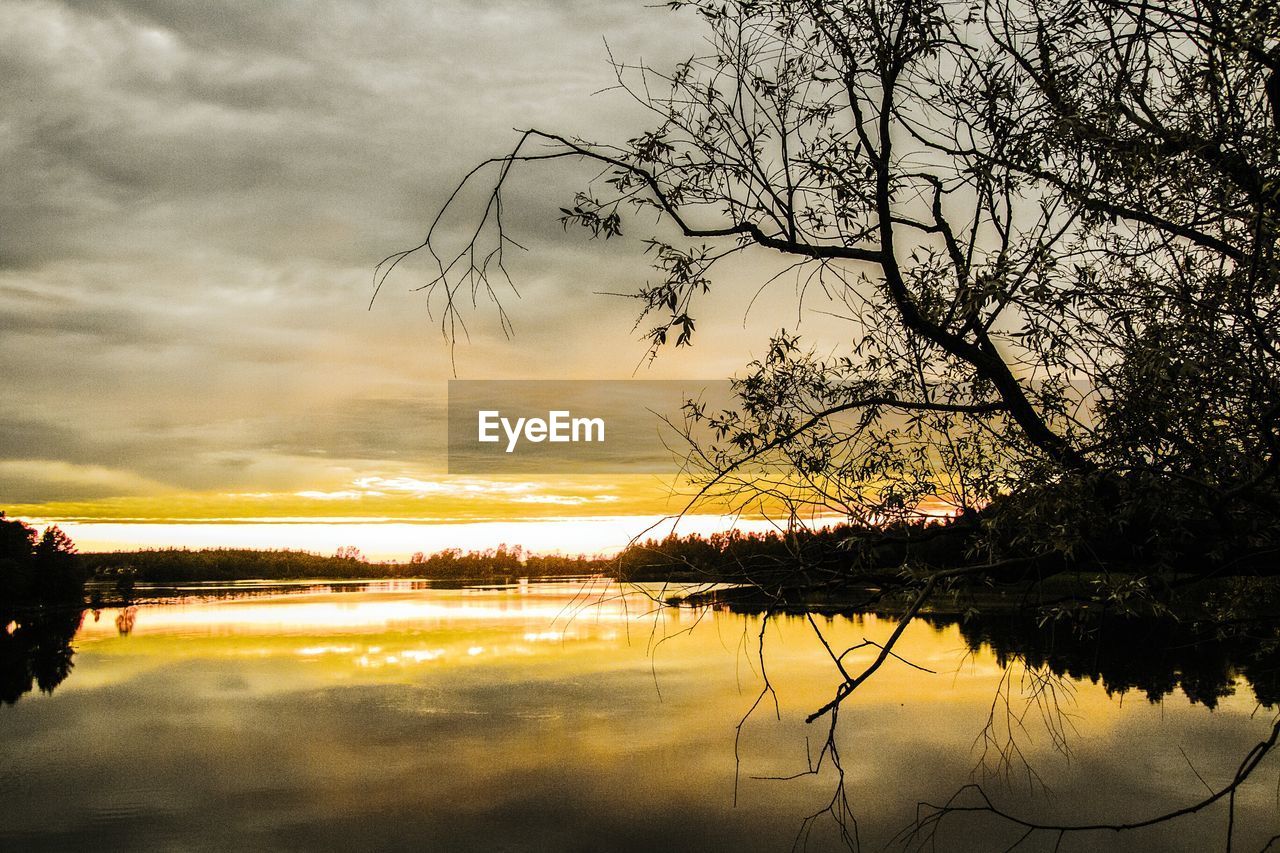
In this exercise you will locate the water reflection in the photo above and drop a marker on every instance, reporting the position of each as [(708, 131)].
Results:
[(35, 651), (125, 619), (571, 717), (1152, 656)]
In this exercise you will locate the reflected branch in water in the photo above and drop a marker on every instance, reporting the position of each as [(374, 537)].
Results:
[(766, 690), (847, 687), (930, 817), (1042, 661), (1040, 689), (837, 808)]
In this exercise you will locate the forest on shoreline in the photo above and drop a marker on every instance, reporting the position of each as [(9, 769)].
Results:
[(185, 565), (841, 568)]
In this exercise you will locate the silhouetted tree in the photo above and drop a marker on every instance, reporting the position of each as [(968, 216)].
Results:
[(1051, 228), (349, 552), (37, 570)]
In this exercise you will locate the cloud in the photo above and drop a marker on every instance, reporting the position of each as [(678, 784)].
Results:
[(490, 492), (39, 479), (272, 129), (276, 450), (195, 195)]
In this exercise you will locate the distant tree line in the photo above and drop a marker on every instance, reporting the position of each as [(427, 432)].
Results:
[(46, 567), (790, 559), (170, 565)]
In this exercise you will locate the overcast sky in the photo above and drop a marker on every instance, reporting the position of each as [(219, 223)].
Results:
[(194, 196)]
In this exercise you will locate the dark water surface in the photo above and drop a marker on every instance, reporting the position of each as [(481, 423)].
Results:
[(563, 716)]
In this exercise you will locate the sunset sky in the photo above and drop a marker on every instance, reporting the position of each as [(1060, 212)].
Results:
[(193, 201)]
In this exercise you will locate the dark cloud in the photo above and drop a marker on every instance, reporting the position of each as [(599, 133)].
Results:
[(393, 430), (195, 195), (24, 438), (273, 113), (47, 317), (90, 462)]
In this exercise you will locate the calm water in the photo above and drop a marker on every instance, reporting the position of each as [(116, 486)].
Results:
[(563, 716)]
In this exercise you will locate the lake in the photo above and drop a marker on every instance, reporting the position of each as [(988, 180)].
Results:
[(574, 716)]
